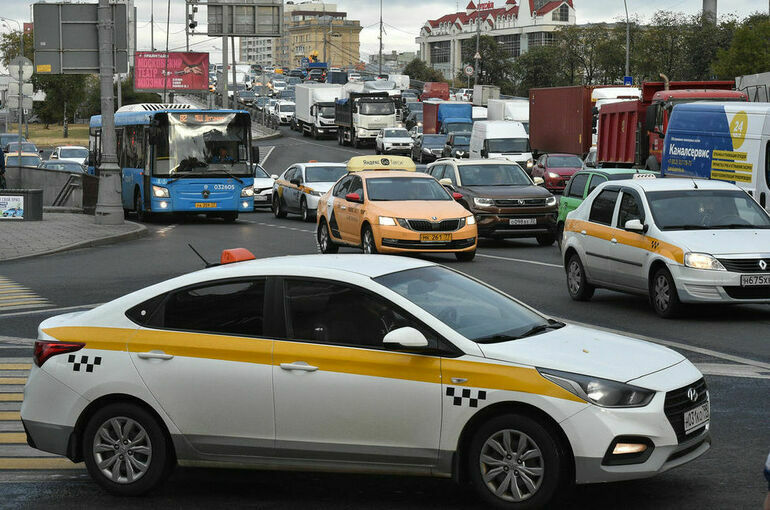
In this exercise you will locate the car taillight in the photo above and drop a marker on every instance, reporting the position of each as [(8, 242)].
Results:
[(45, 350)]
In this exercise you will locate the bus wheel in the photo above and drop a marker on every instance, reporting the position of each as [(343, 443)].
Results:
[(141, 215), (230, 217)]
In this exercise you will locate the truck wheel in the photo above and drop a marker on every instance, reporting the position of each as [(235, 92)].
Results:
[(304, 131), (577, 285), (354, 140), (339, 137), (315, 133)]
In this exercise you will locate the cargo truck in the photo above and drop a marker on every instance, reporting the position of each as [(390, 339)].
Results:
[(446, 116), (509, 109), (360, 116), (315, 108), (483, 93), (632, 132), (435, 90)]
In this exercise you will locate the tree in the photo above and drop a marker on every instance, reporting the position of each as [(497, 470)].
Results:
[(749, 50), (495, 63), (535, 69), (419, 70), (9, 47)]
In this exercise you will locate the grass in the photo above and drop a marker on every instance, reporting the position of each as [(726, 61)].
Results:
[(54, 135)]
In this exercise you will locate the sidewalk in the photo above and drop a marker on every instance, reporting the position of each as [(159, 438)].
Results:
[(59, 232)]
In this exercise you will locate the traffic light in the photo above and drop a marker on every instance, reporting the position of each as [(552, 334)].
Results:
[(191, 19)]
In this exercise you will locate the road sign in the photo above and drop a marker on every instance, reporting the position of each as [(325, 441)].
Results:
[(628, 80), (13, 102), (26, 89), (469, 70), (244, 18), (67, 42), (477, 56), (26, 68)]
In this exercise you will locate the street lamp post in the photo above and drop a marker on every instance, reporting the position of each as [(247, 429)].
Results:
[(477, 56), (628, 39)]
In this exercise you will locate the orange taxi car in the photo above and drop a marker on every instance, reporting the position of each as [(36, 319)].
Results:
[(384, 206)]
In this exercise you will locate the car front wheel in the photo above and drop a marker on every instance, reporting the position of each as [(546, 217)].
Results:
[(577, 284), (663, 294), (367, 241), (125, 450), (515, 463), (325, 243)]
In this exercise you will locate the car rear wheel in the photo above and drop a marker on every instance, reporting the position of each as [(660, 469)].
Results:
[(515, 463), (545, 239), (465, 256), (577, 284), (278, 210), (125, 450), (368, 243), (663, 294), (325, 243)]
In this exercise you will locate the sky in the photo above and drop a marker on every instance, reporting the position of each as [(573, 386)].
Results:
[(402, 18)]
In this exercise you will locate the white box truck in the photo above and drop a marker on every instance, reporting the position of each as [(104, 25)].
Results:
[(315, 108), (483, 93), (509, 109), (501, 139)]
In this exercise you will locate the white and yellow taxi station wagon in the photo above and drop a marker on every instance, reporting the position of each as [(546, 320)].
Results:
[(361, 364)]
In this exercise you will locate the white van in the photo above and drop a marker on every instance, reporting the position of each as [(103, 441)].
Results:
[(727, 141), (501, 139), (510, 109)]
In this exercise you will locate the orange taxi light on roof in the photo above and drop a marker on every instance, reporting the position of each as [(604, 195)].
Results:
[(313, 161), (236, 255)]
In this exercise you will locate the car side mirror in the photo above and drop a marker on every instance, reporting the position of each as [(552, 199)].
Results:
[(274, 177), (353, 197), (539, 181), (295, 181), (53, 156), (405, 337), (636, 226), (457, 196), (446, 182), (484, 153)]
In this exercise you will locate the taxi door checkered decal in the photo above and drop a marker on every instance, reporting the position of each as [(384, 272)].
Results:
[(460, 395)]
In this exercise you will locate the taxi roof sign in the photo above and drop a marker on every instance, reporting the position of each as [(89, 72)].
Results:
[(361, 163), (644, 176), (236, 255)]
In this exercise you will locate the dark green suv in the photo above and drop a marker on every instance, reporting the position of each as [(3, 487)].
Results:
[(583, 183)]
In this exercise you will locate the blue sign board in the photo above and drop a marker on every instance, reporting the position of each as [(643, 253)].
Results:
[(305, 61), (628, 80)]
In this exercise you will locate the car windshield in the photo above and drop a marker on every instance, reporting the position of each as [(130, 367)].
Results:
[(405, 188), (396, 133), (504, 174), (326, 111), (455, 126), (698, 209), (461, 140), (25, 161), (433, 140), (286, 108), (324, 173), (67, 166), (376, 108), (564, 161), (25, 147), (74, 153), (474, 310), (260, 173), (503, 145)]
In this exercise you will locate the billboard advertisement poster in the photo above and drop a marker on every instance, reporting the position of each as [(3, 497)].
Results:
[(184, 72), (11, 207)]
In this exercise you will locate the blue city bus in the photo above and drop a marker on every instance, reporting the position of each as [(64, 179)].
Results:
[(178, 159)]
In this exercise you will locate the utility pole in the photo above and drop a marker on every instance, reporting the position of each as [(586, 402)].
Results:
[(152, 25), (224, 72), (109, 210), (235, 82), (186, 26), (21, 81), (477, 56), (380, 60), (628, 40)]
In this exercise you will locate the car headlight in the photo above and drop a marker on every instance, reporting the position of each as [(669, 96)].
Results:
[(702, 261), (387, 221), (550, 201), (600, 392), (248, 191), (483, 202), (313, 192), (159, 192), (470, 220), (530, 163), (553, 175)]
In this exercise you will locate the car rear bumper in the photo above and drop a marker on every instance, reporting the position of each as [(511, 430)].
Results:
[(48, 437)]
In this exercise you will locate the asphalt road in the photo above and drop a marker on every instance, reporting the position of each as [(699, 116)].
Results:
[(731, 341)]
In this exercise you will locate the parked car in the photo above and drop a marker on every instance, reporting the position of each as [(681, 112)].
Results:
[(393, 141), (63, 166), (428, 148), (556, 170), (71, 153), (23, 146), (27, 159), (457, 145)]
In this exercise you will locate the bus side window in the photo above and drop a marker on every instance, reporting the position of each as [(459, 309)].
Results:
[(119, 147)]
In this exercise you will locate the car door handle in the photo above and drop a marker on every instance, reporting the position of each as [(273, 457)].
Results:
[(614, 241), (299, 365), (155, 355), (343, 207)]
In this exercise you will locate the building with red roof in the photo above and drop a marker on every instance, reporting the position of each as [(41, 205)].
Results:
[(516, 24)]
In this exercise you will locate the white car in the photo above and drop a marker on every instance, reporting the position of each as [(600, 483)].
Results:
[(354, 77), (71, 153), (300, 186), (393, 141), (463, 95), (674, 240), (356, 363), (263, 187), (284, 111)]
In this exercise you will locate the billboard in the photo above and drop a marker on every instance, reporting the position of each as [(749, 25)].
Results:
[(184, 71), (11, 207), (244, 18)]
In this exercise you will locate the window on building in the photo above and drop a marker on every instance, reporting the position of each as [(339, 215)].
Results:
[(539, 4), (561, 14), (540, 39), (511, 44), (439, 52)]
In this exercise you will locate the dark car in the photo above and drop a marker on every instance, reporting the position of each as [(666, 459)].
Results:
[(413, 119), (506, 202), (260, 102), (409, 97), (247, 97), (556, 170), (318, 75), (457, 145), (63, 166), (428, 148), (414, 106)]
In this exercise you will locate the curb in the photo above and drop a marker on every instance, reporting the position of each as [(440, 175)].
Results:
[(139, 231), (268, 137)]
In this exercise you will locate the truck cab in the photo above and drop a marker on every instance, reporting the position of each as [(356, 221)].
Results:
[(501, 139)]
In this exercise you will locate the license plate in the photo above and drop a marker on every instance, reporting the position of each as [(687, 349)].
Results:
[(696, 417), (432, 238), (522, 221), (205, 205), (260, 198), (755, 280)]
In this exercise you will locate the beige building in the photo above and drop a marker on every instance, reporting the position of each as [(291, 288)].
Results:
[(310, 28)]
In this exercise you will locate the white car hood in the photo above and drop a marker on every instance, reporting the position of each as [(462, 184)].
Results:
[(586, 351), (263, 182), (81, 161), (405, 139), (721, 242)]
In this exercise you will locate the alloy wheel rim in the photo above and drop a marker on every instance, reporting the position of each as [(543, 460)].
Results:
[(662, 292), (122, 450), (574, 277), (368, 243), (304, 211), (324, 238), (512, 465)]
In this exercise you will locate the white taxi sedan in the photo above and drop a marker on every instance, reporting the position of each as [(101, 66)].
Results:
[(300, 186), (675, 240), (360, 364)]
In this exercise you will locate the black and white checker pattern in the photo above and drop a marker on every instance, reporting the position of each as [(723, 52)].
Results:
[(462, 395), (89, 367)]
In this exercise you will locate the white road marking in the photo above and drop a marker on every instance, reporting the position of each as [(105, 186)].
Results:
[(49, 310), (547, 264), (269, 151), (732, 370), (338, 147), (167, 229)]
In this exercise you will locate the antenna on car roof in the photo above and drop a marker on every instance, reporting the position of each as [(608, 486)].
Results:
[(208, 264), (695, 184)]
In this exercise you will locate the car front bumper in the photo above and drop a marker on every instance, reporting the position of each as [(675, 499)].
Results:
[(389, 149), (400, 240), (707, 286), (498, 225), (263, 199)]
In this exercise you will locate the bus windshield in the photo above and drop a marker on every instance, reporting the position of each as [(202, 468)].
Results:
[(203, 145)]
